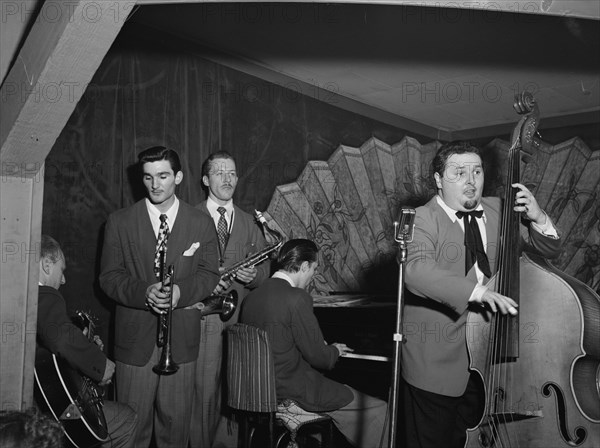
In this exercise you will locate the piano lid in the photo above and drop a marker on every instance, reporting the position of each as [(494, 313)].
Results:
[(354, 301)]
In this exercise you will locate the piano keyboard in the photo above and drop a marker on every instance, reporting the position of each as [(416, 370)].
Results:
[(368, 357)]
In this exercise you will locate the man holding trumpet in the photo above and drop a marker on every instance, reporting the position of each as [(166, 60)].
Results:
[(136, 239)]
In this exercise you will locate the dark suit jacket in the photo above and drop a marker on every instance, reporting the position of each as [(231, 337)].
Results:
[(435, 357), (245, 239), (297, 343), (57, 333), (127, 271)]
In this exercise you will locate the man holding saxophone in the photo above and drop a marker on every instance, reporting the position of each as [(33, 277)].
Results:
[(239, 237)]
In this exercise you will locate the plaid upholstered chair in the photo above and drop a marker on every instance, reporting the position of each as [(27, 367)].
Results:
[(251, 391)]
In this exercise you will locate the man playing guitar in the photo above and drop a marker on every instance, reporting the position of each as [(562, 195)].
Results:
[(113, 423)]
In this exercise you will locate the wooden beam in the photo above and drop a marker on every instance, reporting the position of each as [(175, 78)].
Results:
[(16, 17), (58, 60), (61, 53), (21, 210), (585, 9)]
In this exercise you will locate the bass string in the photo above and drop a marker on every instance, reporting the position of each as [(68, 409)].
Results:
[(499, 390), (509, 332)]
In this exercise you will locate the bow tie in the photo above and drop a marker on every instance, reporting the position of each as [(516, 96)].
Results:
[(475, 213), (473, 243)]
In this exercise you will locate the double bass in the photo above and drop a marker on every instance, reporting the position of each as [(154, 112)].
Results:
[(540, 370)]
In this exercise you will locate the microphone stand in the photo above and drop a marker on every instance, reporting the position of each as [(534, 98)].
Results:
[(403, 235)]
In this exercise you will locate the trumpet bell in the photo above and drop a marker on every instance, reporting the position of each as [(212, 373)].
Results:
[(166, 365)]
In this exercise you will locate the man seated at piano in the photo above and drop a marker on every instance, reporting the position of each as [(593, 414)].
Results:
[(284, 309), (447, 269), (57, 334)]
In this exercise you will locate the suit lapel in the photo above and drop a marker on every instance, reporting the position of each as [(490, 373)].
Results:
[(203, 208), (145, 237), (178, 236), (491, 230)]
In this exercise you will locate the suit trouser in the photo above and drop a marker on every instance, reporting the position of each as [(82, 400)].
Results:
[(363, 421), (162, 402), (432, 420), (206, 407), (121, 421)]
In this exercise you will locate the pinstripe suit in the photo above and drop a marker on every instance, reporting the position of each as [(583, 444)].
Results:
[(126, 272), (207, 413)]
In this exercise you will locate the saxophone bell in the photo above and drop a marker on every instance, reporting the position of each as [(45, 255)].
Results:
[(223, 304)]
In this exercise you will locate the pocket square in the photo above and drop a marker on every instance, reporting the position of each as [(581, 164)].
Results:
[(192, 250)]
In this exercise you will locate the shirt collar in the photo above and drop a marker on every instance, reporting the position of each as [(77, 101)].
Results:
[(283, 276), (212, 207), (155, 213), (452, 213)]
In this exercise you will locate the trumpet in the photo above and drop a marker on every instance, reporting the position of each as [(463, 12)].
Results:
[(166, 279), (166, 365)]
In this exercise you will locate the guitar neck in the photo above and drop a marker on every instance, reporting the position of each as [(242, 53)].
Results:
[(85, 322)]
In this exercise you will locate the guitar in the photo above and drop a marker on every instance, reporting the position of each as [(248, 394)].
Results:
[(73, 399)]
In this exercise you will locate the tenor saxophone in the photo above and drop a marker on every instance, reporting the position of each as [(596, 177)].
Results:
[(225, 304), (258, 257)]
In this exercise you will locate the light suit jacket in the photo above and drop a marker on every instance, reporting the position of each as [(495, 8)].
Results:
[(434, 357)]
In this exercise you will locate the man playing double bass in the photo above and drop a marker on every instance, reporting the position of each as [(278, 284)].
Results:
[(451, 258)]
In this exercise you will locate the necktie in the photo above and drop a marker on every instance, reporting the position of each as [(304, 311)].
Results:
[(473, 243), (161, 243), (222, 229)]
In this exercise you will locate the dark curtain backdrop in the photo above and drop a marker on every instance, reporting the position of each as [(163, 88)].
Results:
[(147, 94)]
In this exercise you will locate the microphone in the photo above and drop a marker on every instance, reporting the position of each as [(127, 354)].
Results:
[(404, 229)]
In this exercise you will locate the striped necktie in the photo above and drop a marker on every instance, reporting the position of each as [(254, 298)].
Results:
[(161, 244)]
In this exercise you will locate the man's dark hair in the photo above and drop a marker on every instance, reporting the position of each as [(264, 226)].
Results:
[(158, 153), (29, 429), (295, 252), (447, 150), (50, 248), (213, 156)]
